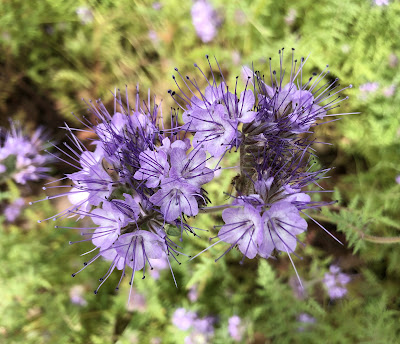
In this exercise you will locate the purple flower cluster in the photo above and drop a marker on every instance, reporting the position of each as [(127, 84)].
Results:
[(270, 124), (21, 156), (138, 186), (235, 328), (335, 282), (13, 210), (145, 178), (204, 20), (201, 329), (76, 295), (305, 319), (381, 2)]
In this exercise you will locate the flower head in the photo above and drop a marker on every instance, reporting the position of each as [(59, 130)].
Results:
[(13, 210), (204, 20), (335, 282), (201, 329), (270, 122), (235, 328), (140, 180), (21, 156)]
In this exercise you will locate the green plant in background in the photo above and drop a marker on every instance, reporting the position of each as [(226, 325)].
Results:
[(55, 53)]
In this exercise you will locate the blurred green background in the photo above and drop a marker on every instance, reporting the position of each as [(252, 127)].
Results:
[(53, 53)]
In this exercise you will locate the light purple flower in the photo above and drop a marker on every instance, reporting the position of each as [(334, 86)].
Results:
[(214, 130), (76, 295), (381, 2), (306, 319), (202, 331), (183, 319), (190, 168), (176, 198), (368, 88), (389, 91), (138, 247), (282, 222), (12, 211), (298, 289), (21, 156), (243, 228), (398, 179), (157, 5), (335, 282), (92, 184), (193, 293), (235, 328), (111, 220), (137, 302), (158, 265), (204, 20), (85, 14), (154, 167)]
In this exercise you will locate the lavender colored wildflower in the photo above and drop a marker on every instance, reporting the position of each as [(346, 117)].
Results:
[(201, 329), (13, 210), (204, 20), (263, 121), (306, 319), (298, 289), (235, 328), (157, 266), (193, 294), (335, 281), (137, 302), (85, 15), (139, 182), (143, 180), (183, 319), (389, 91), (368, 88), (398, 179), (381, 2), (157, 5), (76, 295), (21, 156)]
